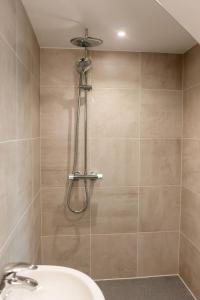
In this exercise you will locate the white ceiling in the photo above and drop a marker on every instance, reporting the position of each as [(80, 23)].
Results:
[(148, 26), (186, 13)]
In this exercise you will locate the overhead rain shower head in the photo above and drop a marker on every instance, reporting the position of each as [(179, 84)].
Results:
[(86, 41)]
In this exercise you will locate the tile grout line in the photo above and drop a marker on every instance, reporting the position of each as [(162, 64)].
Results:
[(187, 287), (136, 277), (139, 160), (181, 175), (115, 234)]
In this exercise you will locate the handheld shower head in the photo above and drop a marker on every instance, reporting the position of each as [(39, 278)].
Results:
[(83, 65)]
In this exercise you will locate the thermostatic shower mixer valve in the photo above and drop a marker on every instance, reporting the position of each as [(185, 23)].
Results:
[(91, 175)]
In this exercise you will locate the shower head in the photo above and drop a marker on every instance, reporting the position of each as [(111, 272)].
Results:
[(83, 64), (86, 41)]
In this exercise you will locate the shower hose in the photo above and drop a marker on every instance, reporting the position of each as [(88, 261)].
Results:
[(68, 202)]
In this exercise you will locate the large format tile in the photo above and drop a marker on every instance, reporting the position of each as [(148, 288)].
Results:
[(114, 113), (160, 162), (191, 164), (36, 165), (57, 219), (115, 70), (23, 102), (159, 209), (58, 67), (57, 159), (114, 256), (24, 36), (158, 253), (192, 67), (161, 114), (57, 112), (191, 113), (24, 173), (54, 177), (8, 21), (190, 265), (22, 247), (114, 210), (161, 71), (190, 212), (55, 154), (10, 210), (117, 159), (35, 108), (8, 92), (68, 251)]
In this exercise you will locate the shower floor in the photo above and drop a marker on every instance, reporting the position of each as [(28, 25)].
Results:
[(159, 288)]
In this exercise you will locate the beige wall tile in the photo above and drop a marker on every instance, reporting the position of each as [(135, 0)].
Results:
[(190, 266), (35, 108), (23, 102), (24, 36), (117, 159), (161, 71), (8, 21), (8, 202), (68, 251), (36, 165), (115, 70), (190, 212), (114, 256), (57, 220), (24, 173), (114, 210), (18, 213), (22, 247), (158, 253), (54, 178), (159, 209), (161, 114), (192, 67), (8, 92), (114, 113), (58, 67), (160, 162), (57, 112), (191, 164), (55, 154), (191, 113)]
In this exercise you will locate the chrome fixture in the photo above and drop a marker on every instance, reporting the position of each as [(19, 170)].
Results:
[(10, 276), (86, 41), (82, 66)]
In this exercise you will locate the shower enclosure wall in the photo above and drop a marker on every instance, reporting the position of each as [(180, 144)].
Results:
[(134, 134)]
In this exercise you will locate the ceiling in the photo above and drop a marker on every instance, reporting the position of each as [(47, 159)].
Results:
[(186, 13), (148, 26)]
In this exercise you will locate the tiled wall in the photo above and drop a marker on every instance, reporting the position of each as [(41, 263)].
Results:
[(135, 125), (190, 212), (19, 136)]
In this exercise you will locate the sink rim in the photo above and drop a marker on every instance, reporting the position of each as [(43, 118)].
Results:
[(86, 279)]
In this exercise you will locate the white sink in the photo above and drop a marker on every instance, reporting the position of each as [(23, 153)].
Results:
[(56, 283)]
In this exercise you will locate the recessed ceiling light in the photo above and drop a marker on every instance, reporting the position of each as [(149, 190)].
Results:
[(121, 33)]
